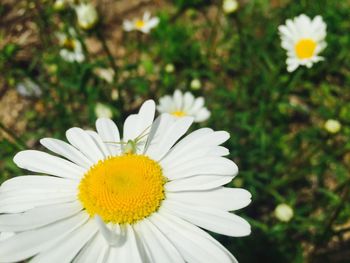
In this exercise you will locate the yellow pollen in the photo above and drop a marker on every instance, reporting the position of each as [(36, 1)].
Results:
[(305, 48), (179, 113), (139, 24), (123, 189)]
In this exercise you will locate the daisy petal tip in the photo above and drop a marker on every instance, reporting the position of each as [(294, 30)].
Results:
[(19, 157)]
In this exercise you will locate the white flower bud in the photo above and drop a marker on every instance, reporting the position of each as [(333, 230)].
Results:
[(169, 68), (284, 212), (332, 126), (196, 84), (229, 6)]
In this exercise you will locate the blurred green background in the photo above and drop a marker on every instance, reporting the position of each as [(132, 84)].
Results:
[(276, 119)]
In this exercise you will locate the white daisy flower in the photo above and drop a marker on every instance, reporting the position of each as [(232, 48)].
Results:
[(181, 105), (145, 25), (72, 49), (142, 198), (87, 15), (303, 39)]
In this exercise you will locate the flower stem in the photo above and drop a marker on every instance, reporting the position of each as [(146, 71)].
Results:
[(113, 65), (18, 142)]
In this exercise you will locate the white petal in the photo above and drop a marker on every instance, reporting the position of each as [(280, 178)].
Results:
[(128, 252), (198, 103), (128, 26), (153, 22), (212, 219), (171, 134), (109, 134), (30, 243), (94, 252), (158, 130), (24, 202), (197, 183), (64, 252), (38, 217), (138, 125), (165, 104), (177, 98), (193, 146), (81, 140), (228, 199), (158, 247), (38, 183), (41, 162), (188, 100), (66, 150), (115, 235), (100, 144), (26, 192), (194, 244), (6, 235), (202, 115), (200, 166)]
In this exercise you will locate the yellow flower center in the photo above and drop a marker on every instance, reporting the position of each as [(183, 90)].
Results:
[(305, 48), (69, 44), (123, 189), (139, 24), (179, 113)]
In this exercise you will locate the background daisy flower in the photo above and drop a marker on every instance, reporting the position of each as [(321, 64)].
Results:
[(141, 198), (303, 39), (87, 15), (184, 104), (144, 25), (72, 49)]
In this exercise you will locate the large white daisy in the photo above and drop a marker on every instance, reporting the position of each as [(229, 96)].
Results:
[(184, 104), (303, 39), (141, 198), (144, 25)]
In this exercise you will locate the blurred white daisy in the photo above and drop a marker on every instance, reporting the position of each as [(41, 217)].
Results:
[(303, 39), (181, 105), (144, 25), (72, 49), (87, 15), (143, 197), (27, 88)]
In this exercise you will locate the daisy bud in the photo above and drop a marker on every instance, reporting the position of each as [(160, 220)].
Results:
[(332, 126), (59, 5), (229, 6), (87, 16), (106, 74), (169, 68), (103, 111), (114, 94), (284, 212), (195, 84)]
